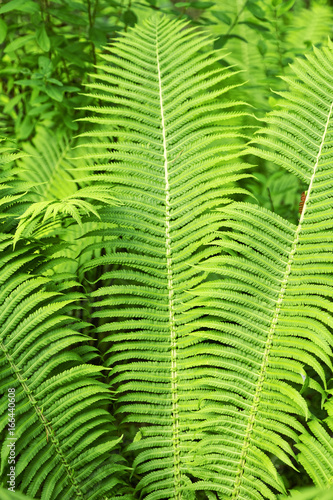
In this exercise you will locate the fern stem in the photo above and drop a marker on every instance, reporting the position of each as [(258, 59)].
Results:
[(46, 424), (174, 388), (269, 342)]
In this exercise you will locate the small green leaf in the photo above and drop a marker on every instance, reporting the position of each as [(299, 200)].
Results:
[(20, 5), (222, 16), (56, 82), (18, 43), (3, 30), (30, 83), (45, 65), (130, 18), (70, 88), (255, 10), (54, 92), (222, 40), (181, 5), (37, 76), (262, 47), (137, 437), (254, 26), (42, 39)]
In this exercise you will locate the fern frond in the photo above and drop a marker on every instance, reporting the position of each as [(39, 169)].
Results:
[(46, 214), (64, 441), (174, 159), (6, 494), (8, 152), (270, 317), (55, 191)]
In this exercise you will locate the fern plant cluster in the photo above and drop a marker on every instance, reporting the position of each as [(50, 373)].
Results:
[(164, 336)]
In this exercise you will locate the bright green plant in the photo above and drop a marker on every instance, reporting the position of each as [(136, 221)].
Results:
[(213, 316), (47, 50)]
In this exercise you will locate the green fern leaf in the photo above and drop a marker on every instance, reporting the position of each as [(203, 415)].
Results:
[(270, 316), (56, 193), (48, 164), (62, 438), (175, 158)]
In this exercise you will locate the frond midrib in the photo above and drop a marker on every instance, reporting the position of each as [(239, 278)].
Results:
[(173, 353)]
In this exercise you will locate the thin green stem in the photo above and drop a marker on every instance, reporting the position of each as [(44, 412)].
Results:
[(173, 337), (235, 21)]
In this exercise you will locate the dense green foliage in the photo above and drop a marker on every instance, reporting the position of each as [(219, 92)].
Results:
[(165, 304)]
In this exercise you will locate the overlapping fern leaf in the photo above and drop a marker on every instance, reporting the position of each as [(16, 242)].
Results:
[(270, 316), (173, 160), (60, 434), (309, 493), (47, 164)]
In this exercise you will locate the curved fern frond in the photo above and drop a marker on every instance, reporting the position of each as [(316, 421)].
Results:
[(53, 407), (270, 316), (175, 157), (55, 191)]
